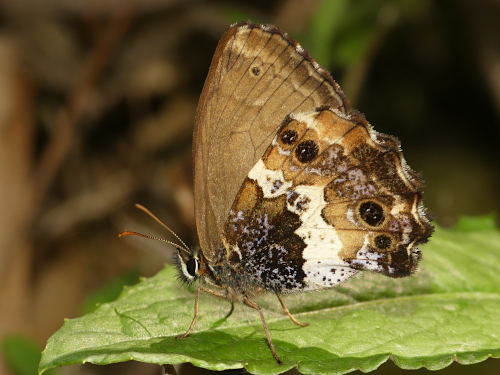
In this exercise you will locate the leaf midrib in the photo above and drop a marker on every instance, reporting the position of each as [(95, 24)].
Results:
[(357, 306)]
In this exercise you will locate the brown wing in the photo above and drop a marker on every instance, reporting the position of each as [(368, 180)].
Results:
[(329, 197), (258, 76)]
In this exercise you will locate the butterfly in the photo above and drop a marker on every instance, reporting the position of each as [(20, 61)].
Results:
[(294, 191)]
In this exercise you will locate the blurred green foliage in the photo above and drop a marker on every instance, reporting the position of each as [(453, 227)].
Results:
[(109, 292), (22, 355)]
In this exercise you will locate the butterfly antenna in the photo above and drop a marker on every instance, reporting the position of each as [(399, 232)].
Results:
[(128, 233), (141, 207)]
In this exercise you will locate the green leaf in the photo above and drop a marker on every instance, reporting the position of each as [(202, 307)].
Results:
[(447, 312)]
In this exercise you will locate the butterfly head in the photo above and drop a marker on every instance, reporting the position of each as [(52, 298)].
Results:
[(192, 265)]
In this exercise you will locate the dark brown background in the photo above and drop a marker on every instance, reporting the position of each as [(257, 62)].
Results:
[(97, 103)]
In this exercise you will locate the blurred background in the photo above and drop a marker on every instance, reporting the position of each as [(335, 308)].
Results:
[(97, 105)]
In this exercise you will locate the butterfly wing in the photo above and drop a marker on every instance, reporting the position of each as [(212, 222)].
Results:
[(258, 75), (330, 196)]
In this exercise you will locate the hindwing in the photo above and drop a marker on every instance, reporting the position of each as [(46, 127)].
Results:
[(330, 196)]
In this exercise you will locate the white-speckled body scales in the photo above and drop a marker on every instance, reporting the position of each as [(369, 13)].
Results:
[(329, 197)]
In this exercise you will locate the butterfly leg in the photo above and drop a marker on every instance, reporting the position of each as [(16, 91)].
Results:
[(196, 311), (249, 303), (287, 312)]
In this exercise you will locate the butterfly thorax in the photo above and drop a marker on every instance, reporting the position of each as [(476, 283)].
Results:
[(231, 279)]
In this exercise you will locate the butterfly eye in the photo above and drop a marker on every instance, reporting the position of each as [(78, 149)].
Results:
[(192, 266), (372, 213), (307, 151)]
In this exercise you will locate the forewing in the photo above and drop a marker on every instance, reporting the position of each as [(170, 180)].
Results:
[(257, 77)]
